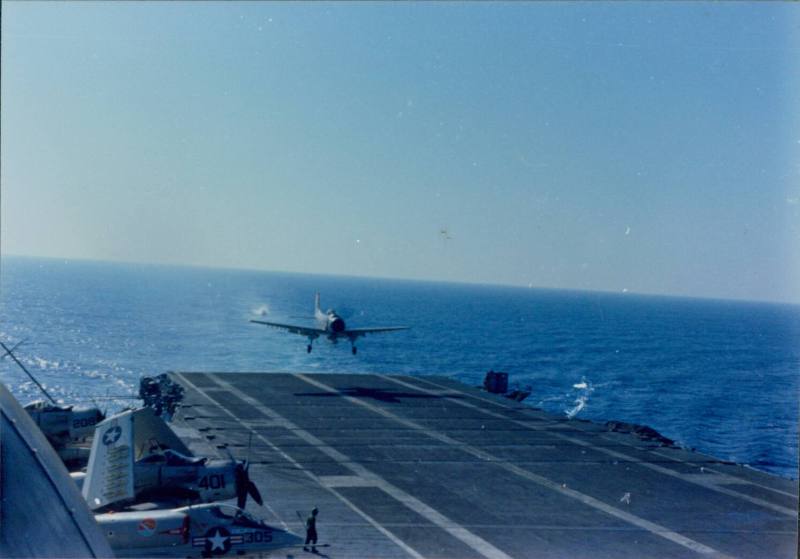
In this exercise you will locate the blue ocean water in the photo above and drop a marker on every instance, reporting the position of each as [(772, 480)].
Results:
[(718, 376)]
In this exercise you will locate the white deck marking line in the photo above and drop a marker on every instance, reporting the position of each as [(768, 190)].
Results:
[(278, 518), (346, 481), (727, 478), (651, 527), (739, 481), (474, 541), (374, 523), (551, 527), (615, 454)]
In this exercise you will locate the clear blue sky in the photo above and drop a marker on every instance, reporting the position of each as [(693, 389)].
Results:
[(653, 148)]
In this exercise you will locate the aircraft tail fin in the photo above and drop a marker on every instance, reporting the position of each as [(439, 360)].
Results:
[(317, 310)]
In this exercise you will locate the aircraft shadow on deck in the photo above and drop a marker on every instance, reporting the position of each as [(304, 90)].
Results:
[(389, 396)]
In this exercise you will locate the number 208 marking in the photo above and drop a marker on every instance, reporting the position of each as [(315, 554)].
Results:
[(85, 422)]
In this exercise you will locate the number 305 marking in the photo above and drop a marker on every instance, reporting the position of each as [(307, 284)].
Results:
[(257, 537)]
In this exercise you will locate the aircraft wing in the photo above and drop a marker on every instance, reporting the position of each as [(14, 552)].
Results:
[(118, 442), (294, 329), (109, 477), (152, 434), (354, 333)]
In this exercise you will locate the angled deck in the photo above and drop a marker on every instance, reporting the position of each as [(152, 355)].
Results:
[(427, 467)]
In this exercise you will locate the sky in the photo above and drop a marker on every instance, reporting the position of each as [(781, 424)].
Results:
[(639, 147)]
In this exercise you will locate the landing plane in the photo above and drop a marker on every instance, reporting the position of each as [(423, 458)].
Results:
[(331, 326)]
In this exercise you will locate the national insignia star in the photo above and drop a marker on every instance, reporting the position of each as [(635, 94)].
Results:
[(218, 541)]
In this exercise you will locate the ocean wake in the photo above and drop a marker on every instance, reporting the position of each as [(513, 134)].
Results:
[(263, 310), (584, 389)]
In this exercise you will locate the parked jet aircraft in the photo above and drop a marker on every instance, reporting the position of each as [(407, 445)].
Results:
[(331, 326), (195, 531), (136, 457)]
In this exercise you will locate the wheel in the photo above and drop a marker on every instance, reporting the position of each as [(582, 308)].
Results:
[(354, 350), (308, 348)]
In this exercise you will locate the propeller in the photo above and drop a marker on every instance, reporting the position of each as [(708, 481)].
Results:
[(244, 486)]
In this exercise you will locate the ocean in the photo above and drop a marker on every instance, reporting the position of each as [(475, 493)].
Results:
[(718, 376)]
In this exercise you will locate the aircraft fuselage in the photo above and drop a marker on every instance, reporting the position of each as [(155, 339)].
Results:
[(332, 323)]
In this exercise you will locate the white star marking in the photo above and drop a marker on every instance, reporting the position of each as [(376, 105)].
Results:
[(218, 541)]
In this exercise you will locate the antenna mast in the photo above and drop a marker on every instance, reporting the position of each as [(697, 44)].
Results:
[(27, 372)]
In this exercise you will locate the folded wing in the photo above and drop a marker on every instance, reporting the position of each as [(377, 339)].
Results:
[(151, 434), (118, 443), (109, 477)]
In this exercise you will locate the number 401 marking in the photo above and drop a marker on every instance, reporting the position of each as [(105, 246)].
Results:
[(212, 481)]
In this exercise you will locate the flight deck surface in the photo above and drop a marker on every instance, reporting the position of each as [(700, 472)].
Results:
[(428, 467)]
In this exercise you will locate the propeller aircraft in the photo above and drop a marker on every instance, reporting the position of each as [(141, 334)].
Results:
[(64, 426), (134, 455), (137, 458), (329, 325), (195, 531), (138, 464)]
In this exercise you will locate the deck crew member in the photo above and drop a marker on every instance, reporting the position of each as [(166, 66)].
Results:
[(311, 531)]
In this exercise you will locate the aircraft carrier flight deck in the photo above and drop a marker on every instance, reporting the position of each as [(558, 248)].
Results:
[(428, 467)]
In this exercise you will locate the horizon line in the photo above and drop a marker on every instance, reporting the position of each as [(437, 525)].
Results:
[(621, 293)]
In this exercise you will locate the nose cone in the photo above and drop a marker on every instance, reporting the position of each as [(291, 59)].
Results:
[(337, 325)]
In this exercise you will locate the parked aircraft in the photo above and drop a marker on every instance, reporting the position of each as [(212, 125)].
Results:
[(64, 425), (136, 457), (331, 326), (194, 531)]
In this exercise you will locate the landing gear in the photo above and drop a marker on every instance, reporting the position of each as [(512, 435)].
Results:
[(354, 350), (308, 348)]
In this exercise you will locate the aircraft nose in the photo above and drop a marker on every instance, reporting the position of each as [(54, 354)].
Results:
[(337, 325)]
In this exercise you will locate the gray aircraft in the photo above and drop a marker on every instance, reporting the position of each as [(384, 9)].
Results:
[(329, 325), (194, 531), (65, 426), (136, 458), (32, 475)]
